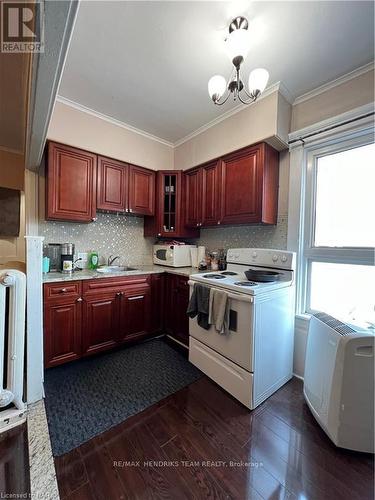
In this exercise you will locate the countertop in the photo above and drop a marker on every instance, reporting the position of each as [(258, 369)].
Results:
[(88, 274)]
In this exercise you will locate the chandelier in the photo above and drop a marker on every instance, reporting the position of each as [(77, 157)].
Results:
[(238, 45)]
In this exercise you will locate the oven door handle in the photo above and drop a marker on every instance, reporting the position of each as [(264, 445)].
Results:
[(237, 296)]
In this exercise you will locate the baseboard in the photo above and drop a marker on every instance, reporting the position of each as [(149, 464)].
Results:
[(298, 376)]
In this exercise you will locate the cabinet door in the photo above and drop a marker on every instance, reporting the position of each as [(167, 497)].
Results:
[(100, 321), (169, 219), (176, 321), (62, 332), (112, 185), (181, 326), (141, 190), (170, 291), (135, 313), (71, 184), (157, 302), (241, 187), (210, 194), (193, 198)]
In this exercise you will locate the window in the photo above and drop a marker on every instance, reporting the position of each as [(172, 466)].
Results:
[(338, 272)]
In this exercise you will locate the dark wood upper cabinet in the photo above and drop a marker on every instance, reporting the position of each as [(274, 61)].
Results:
[(112, 185), (141, 190), (239, 188), (71, 184), (210, 194), (169, 219), (125, 188), (79, 182), (193, 198), (249, 186)]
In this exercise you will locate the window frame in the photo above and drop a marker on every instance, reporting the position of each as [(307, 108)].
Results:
[(307, 252)]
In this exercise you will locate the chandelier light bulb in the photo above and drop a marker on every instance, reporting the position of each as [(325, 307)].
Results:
[(216, 87), (238, 44), (258, 79)]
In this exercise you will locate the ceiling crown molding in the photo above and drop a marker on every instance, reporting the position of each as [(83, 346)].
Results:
[(276, 87), (338, 81), (113, 121)]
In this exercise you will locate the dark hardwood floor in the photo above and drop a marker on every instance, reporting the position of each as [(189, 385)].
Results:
[(14, 463), (182, 448)]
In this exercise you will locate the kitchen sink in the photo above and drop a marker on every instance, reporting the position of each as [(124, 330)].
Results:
[(115, 269)]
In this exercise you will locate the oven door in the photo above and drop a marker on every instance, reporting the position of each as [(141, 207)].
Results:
[(236, 345)]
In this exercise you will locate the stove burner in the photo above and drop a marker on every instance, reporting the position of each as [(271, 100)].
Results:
[(214, 276), (245, 283), (229, 273)]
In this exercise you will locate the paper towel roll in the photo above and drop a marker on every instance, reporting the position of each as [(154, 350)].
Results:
[(194, 256), (201, 254)]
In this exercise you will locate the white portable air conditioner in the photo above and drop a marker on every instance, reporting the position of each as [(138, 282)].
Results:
[(339, 381)]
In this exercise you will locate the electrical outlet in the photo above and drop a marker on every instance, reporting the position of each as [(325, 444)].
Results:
[(84, 262)]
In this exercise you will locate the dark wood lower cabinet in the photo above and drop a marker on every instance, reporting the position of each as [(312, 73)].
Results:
[(158, 282), (100, 320), (62, 331), (86, 317), (176, 303), (134, 313)]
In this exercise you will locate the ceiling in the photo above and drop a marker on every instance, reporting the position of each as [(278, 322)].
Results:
[(147, 64)]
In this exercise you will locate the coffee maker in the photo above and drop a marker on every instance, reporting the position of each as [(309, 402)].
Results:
[(67, 257)]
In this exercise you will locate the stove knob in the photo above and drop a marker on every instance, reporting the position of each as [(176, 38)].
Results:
[(254, 254), (284, 258), (275, 258)]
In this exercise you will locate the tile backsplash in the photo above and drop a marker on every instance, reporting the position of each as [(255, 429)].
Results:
[(111, 234), (246, 236), (122, 235)]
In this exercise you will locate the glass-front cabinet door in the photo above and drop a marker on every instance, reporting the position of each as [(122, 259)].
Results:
[(169, 203)]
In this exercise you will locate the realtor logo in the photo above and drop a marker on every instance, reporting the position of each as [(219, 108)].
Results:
[(22, 27)]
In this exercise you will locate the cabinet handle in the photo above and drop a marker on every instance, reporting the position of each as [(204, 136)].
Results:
[(197, 224), (159, 234), (119, 294), (63, 290), (94, 219), (80, 299), (130, 210), (219, 222), (136, 298)]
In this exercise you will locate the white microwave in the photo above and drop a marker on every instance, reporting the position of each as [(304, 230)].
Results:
[(172, 255)]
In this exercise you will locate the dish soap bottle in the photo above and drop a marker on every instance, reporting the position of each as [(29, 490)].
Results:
[(94, 260)]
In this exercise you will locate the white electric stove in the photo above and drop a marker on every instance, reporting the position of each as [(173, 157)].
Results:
[(255, 357)]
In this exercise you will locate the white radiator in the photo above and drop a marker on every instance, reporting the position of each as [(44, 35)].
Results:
[(12, 347)]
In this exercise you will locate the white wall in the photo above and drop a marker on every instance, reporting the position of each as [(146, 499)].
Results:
[(83, 130), (266, 119), (344, 97)]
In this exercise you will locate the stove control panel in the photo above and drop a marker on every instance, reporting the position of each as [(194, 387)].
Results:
[(262, 257)]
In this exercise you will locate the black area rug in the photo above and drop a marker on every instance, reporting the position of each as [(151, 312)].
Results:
[(86, 398)]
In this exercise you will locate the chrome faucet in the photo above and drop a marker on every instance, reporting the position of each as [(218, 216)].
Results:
[(111, 260)]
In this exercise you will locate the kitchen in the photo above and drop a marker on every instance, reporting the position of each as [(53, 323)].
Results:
[(139, 204)]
